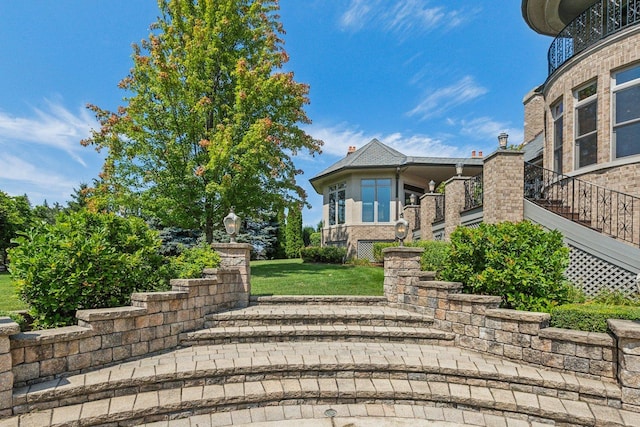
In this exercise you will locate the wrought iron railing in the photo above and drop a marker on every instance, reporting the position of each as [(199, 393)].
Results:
[(600, 20), (607, 211), (439, 203), (473, 193)]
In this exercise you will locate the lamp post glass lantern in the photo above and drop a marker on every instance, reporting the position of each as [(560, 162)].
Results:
[(401, 230), (232, 225), (459, 167), (412, 199), (503, 138), (432, 186)]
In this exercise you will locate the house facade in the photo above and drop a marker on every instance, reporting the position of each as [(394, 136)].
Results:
[(588, 109), (365, 192)]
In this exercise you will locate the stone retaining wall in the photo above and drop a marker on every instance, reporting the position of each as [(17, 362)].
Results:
[(519, 335), (153, 323)]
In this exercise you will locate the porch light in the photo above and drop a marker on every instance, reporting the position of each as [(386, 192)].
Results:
[(232, 225), (412, 199), (401, 229), (459, 167), (502, 140), (432, 186)]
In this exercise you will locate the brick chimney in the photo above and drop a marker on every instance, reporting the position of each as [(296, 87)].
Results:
[(351, 150)]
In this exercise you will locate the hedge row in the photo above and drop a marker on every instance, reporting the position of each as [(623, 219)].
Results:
[(434, 257), (326, 254), (591, 317)]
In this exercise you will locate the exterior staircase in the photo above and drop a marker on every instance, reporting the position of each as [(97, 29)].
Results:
[(311, 360)]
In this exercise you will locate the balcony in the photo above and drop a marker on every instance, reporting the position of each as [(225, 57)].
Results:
[(602, 19)]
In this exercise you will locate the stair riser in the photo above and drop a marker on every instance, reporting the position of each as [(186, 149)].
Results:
[(82, 395), (323, 338), (291, 320)]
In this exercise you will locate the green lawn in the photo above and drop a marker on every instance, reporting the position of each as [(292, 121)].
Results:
[(293, 277), (8, 299)]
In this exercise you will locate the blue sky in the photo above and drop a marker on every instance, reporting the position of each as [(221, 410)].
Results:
[(427, 77)]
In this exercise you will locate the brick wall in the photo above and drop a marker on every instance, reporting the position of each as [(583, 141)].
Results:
[(351, 234), (454, 202), (533, 115), (503, 185)]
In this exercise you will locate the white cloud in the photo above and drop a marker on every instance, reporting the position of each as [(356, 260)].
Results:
[(338, 139), (488, 129), (402, 17), (13, 168), (57, 128), (439, 101)]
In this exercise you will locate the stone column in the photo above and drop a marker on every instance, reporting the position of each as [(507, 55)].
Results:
[(411, 214), (7, 327), (503, 186), (427, 214), (453, 204), (401, 269), (237, 256), (627, 333)]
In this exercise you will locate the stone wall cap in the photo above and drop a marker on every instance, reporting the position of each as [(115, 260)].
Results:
[(438, 284), (582, 337), (96, 314), (522, 316), (162, 296), (505, 152), (403, 249), (246, 246), (625, 328), (481, 299), (45, 336), (8, 326), (189, 282), (428, 275)]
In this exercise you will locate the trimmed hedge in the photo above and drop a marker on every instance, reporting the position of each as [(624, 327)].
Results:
[(326, 254), (591, 317)]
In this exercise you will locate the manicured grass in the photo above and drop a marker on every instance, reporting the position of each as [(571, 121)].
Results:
[(293, 277), (8, 299)]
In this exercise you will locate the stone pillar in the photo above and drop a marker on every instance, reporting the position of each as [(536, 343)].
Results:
[(237, 256), (427, 214), (533, 114), (7, 327), (627, 333), (401, 269), (412, 215), (453, 204), (503, 187)]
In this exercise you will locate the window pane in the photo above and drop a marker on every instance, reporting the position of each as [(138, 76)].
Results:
[(368, 182), (368, 197), (341, 207), (384, 182), (332, 208), (587, 148), (627, 105), (587, 92), (587, 118), (627, 140), (384, 202), (627, 75)]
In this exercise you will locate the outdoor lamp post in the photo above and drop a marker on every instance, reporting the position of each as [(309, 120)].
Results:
[(502, 140), (432, 186), (401, 229), (459, 167), (412, 199), (232, 225)]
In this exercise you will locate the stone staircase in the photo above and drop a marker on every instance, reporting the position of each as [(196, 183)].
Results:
[(309, 360)]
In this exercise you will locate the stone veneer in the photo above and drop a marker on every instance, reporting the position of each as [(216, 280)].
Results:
[(152, 323), (503, 187), (519, 335)]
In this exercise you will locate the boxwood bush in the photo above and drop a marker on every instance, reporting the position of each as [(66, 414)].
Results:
[(591, 317), (519, 262), (85, 260), (192, 260), (326, 254)]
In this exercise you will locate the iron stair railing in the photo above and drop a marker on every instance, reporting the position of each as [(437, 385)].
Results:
[(607, 211), (473, 194)]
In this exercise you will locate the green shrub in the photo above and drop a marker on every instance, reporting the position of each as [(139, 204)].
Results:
[(326, 254), (434, 257), (609, 297), (315, 239), (85, 260), (191, 261), (519, 262), (591, 317)]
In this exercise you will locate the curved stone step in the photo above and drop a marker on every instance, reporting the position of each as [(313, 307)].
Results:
[(317, 300), (281, 333), (150, 406), (261, 315), (237, 363)]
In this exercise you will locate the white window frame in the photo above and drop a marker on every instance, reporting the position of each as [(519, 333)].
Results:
[(334, 191), (614, 89), (376, 199), (579, 104), (557, 115)]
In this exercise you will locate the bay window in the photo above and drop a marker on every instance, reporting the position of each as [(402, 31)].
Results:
[(337, 206), (626, 112), (586, 128), (376, 200)]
